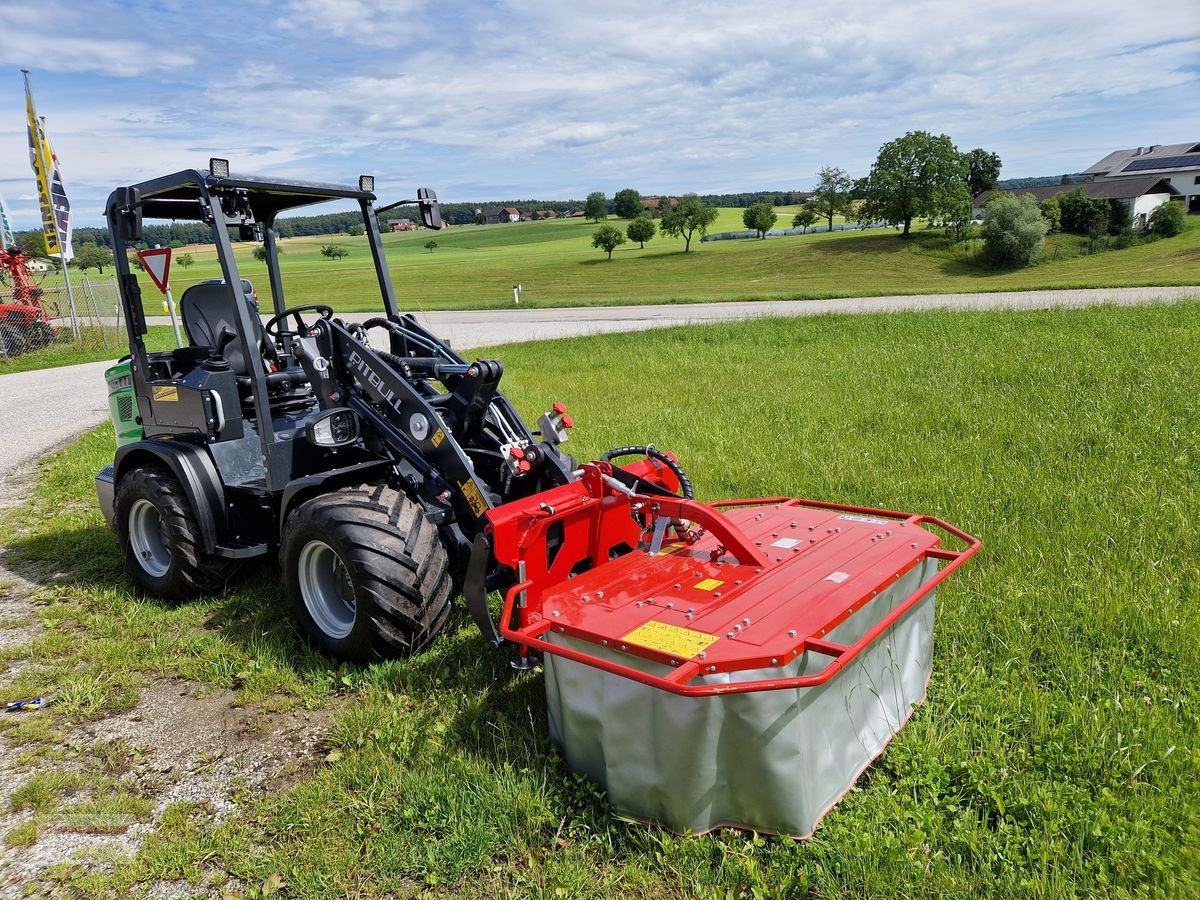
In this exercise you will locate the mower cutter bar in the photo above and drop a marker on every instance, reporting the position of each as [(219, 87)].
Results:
[(756, 586)]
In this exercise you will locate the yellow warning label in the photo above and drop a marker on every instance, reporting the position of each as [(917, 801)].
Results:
[(166, 394), (708, 584), (681, 642), (471, 491), (438, 437), (668, 549)]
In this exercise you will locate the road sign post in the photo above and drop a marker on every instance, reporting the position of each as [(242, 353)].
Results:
[(157, 263)]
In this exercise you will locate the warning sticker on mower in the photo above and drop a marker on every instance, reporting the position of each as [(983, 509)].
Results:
[(708, 584), (867, 519), (166, 394), (671, 639)]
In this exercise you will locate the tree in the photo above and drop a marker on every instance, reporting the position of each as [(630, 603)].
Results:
[(914, 175), (333, 251), (805, 217), (1052, 213), (831, 196), (983, 170), (1119, 219), (596, 207), (34, 244), (1013, 229), (607, 238), (1078, 213), (259, 253), (690, 216), (1168, 220), (641, 229), (185, 260), (431, 245), (355, 230), (627, 204), (760, 217), (91, 256), (480, 219), (957, 213)]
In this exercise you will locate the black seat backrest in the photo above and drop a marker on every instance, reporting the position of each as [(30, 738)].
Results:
[(207, 309)]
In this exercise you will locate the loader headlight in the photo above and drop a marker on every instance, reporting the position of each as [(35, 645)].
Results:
[(335, 428), (366, 183), (218, 168)]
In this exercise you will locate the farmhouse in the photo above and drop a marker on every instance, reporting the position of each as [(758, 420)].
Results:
[(1140, 193), (1176, 164), (402, 225), (657, 202), (496, 216)]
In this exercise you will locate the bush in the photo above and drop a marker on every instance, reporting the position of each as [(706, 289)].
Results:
[(1013, 230), (1119, 219), (1168, 220), (333, 251), (1052, 213)]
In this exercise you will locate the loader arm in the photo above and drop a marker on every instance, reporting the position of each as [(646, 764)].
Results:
[(444, 417)]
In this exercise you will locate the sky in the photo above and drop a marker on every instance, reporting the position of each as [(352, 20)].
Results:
[(554, 99)]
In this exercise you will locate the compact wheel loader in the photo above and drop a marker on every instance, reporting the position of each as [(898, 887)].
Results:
[(735, 663)]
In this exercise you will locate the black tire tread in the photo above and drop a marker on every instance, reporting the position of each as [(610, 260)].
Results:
[(193, 572), (397, 562)]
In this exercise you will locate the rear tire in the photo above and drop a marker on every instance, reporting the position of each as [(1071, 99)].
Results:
[(12, 340), (160, 540), (367, 575)]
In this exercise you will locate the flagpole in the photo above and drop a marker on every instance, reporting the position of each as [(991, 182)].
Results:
[(38, 144)]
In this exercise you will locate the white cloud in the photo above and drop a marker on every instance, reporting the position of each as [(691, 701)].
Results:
[(33, 37), (571, 97)]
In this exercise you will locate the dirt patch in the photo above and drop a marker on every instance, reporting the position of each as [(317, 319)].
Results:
[(201, 748), (181, 743)]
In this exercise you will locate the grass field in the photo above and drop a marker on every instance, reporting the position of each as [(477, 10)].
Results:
[(476, 267), (1057, 754)]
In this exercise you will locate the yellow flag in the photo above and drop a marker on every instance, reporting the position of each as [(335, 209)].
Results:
[(52, 197)]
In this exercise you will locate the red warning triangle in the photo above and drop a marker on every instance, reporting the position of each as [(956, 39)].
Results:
[(158, 265)]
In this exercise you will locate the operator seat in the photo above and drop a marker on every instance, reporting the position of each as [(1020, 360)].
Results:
[(207, 311)]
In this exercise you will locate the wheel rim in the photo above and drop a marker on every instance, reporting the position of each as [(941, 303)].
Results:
[(150, 547), (327, 589)]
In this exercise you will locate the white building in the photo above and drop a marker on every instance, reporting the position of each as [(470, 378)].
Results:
[(1176, 164), (1140, 193)]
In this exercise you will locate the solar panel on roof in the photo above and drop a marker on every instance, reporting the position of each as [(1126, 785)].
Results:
[(1162, 162)]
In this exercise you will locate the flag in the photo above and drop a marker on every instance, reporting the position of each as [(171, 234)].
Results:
[(6, 233), (52, 197)]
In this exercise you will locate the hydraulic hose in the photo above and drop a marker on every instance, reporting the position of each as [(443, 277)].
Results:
[(685, 484)]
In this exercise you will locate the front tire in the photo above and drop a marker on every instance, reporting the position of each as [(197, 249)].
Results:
[(160, 539), (367, 575)]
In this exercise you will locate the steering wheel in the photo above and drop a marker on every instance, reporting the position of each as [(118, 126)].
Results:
[(274, 331)]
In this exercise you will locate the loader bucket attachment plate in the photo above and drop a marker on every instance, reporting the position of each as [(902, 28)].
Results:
[(741, 666)]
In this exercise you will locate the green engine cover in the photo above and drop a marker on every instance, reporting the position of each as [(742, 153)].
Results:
[(122, 404)]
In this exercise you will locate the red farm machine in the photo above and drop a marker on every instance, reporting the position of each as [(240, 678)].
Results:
[(23, 322), (735, 663)]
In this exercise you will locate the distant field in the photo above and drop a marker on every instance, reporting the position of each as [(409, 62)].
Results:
[(475, 267)]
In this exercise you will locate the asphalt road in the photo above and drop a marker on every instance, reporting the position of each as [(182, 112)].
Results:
[(43, 409)]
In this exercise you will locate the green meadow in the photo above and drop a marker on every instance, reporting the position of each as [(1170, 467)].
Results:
[(1056, 755), (476, 266)]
